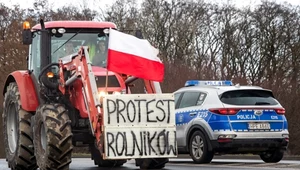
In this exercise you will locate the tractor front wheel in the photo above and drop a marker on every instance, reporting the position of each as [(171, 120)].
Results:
[(52, 137), (17, 131)]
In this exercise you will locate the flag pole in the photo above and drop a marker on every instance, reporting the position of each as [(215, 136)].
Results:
[(106, 44), (106, 81)]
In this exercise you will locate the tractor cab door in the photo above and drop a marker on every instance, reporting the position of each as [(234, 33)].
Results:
[(35, 55)]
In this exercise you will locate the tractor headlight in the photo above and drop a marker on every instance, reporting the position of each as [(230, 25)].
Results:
[(101, 94)]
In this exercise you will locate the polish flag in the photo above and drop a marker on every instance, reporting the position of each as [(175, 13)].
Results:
[(133, 56)]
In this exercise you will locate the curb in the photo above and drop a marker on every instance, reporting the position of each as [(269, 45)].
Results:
[(285, 157)]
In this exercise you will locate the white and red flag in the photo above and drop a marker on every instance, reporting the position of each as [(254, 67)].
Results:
[(133, 56)]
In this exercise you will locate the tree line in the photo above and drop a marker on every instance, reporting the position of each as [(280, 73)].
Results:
[(257, 45)]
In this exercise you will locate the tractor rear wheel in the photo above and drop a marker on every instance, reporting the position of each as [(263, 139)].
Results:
[(52, 137), (98, 160), (151, 163), (17, 131)]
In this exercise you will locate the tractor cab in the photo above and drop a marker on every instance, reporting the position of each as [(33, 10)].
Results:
[(62, 38)]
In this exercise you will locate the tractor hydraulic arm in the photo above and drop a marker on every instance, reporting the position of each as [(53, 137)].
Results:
[(79, 67), (152, 87)]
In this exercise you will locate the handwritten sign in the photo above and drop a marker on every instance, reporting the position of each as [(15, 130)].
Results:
[(139, 126)]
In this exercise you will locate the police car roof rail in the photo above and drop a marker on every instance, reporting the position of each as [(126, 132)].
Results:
[(208, 83)]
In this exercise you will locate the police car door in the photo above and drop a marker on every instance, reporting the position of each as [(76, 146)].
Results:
[(188, 104)]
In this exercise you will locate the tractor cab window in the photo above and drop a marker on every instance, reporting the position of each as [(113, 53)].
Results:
[(100, 56), (70, 43)]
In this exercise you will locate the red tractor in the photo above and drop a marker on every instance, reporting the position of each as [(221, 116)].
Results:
[(64, 100)]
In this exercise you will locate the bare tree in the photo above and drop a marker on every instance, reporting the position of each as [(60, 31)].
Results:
[(197, 40)]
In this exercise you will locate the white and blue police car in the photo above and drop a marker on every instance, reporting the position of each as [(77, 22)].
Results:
[(217, 117)]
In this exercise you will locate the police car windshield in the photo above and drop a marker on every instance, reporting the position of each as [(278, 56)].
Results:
[(248, 97)]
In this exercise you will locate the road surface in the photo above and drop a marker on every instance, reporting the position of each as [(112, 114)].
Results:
[(186, 163)]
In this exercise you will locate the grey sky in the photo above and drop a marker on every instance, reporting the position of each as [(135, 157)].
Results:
[(96, 3)]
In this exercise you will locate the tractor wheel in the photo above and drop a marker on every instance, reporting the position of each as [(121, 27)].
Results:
[(98, 160), (198, 147), (272, 156), (52, 137), (17, 131), (151, 163)]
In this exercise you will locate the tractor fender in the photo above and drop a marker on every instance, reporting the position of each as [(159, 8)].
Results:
[(28, 96)]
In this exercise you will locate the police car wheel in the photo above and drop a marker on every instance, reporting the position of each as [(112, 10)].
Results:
[(272, 156), (198, 147)]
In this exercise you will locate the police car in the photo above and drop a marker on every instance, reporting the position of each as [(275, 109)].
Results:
[(217, 117)]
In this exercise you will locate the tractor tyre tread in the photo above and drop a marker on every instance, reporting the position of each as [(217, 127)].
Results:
[(23, 158), (151, 163), (58, 150), (98, 160)]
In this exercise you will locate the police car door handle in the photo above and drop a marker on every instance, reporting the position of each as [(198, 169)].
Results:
[(193, 114)]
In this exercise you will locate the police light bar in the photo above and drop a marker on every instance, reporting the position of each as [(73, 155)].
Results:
[(208, 83)]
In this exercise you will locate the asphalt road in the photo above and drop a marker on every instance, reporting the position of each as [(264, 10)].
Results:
[(186, 163)]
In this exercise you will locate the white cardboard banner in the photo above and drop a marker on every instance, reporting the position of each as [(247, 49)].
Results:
[(139, 126)]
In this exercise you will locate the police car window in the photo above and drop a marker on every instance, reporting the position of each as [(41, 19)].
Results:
[(189, 99), (177, 95), (248, 97), (201, 99)]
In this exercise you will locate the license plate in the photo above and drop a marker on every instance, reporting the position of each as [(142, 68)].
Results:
[(254, 126)]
